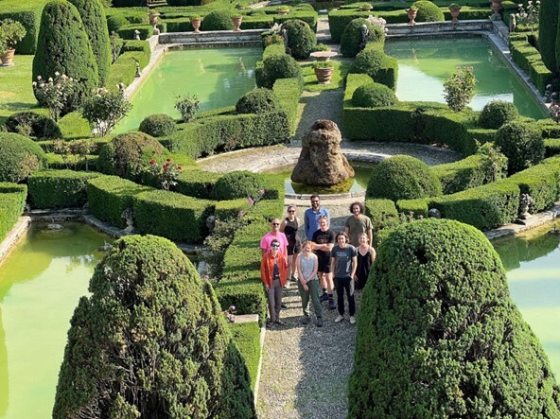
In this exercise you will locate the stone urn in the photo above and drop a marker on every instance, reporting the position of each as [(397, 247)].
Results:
[(321, 162), (412, 13), (153, 18), (323, 74), (236, 20), (454, 10), (8, 57), (196, 22), (496, 8), (283, 11)]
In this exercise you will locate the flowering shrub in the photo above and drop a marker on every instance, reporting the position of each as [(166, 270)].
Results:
[(165, 174), (528, 16), (459, 88), (103, 109), (58, 94), (187, 106)]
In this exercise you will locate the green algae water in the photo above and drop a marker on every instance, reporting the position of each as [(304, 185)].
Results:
[(533, 265), (41, 282), (219, 77), (424, 64)]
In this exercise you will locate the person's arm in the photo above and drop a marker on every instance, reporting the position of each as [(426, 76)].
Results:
[(347, 226), (373, 253), (306, 224), (298, 269), (333, 262), (315, 267), (369, 227), (264, 273), (354, 266), (282, 225)]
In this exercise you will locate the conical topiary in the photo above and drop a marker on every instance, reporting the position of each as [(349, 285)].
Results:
[(548, 33), (63, 46), (150, 342), (439, 336)]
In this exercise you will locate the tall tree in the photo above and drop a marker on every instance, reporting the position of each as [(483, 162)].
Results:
[(548, 34)]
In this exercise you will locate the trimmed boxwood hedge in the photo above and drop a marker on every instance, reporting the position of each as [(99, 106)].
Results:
[(59, 188), (373, 61), (109, 196), (172, 215), (529, 59), (352, 36), (158, 125), (382, 212), (197, 183), (428, 12), (340, 18), (19, 157), (12, 203), (301, 38), (28, 13), (288, 92), (33, 124), (415, 207), (123, 70)]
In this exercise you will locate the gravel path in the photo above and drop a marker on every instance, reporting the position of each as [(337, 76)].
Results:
[(326, 104)]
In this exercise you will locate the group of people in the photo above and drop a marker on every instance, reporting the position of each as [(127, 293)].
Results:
[(317, 259)]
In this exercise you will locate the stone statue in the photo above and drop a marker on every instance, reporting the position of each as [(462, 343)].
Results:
[(136, 34), (364, 35), (321, 162), (138, 71), (284, 33), (525, 202), (434, 213), (127, 215), (156, 30)]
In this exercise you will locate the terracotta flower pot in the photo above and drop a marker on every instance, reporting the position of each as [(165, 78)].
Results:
[(8, 57), (324, 75), (196, 24), (455, 14), (153, 17), (496, 8), (282, 12), (237, 23), (411, 16)]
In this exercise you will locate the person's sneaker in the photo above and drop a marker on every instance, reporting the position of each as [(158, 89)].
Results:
[(352, 320), (279, 323), (319, 322), (324, 297), (305, 320), (332, 305), (338, 319)]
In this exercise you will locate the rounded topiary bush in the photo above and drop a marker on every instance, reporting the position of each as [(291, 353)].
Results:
[(428, 12), (279, 66), (301, 38), (239, 184), (115, 22), (522, 144), (158, 125), (402, 177), (497, 113), (19, 157), (371, 95), (438, 328), (379, 66), (63, 46), (151, 341), (218, 20), (34, 125), (129, 155), (95, 24), (352, 36), (258, 101)]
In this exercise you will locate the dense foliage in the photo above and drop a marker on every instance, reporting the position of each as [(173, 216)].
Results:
[(352, 36), (239, 185), (497, 113), (259, 100), (279, 66), (58, 188), (522, 144), (459, 88), (104, 109), (64, 47), (301, 38), (158, 125), (151, 342), (381, 67), (371, 95), (548, 33), (428, 12), (128, 155), (218, 20), (402, 177), (33, 124), (19, 157), (95, 24), (439, 336)]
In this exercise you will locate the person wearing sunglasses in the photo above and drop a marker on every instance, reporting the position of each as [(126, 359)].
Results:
[(274, 234), (274, 274), (289, 227)]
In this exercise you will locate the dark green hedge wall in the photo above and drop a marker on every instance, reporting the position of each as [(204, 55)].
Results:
[(59, 188)]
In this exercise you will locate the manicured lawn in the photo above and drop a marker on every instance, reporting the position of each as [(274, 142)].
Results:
[(16, 93), (341, 67), (247, 338)]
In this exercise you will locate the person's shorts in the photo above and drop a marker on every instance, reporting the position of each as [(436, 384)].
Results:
[(324, 264)]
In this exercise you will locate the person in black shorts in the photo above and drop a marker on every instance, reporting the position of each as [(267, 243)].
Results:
[(289, 227), (324, 242)]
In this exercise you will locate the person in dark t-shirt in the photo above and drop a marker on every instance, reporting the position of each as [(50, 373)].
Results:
[(324, 242), (344, 261)]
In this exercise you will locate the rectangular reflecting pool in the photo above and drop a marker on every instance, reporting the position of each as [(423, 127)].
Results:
[(533, 265), (219, 77), (424, 64), (41, 282)]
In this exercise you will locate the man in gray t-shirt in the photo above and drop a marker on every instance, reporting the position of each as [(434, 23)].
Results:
[(344, 262)]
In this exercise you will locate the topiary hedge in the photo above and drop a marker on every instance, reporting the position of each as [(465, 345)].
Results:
[(158, 125), (548, 33), (522, 144), (497, 113), (197, 183), (438, 328), (402, 177), (19, 157), (128, 155), (259, 100), (371, 95), (375, 63), (238, 184), (278, 66), (339, 20), (12, 203), (352, 36), (59, 188), (92, 13), (63, 46), (172, 215), (109, 196), (428, 12), (33, 124), (288, 92), (382, 212), (301, 38), (149, 307), (218, 20)]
